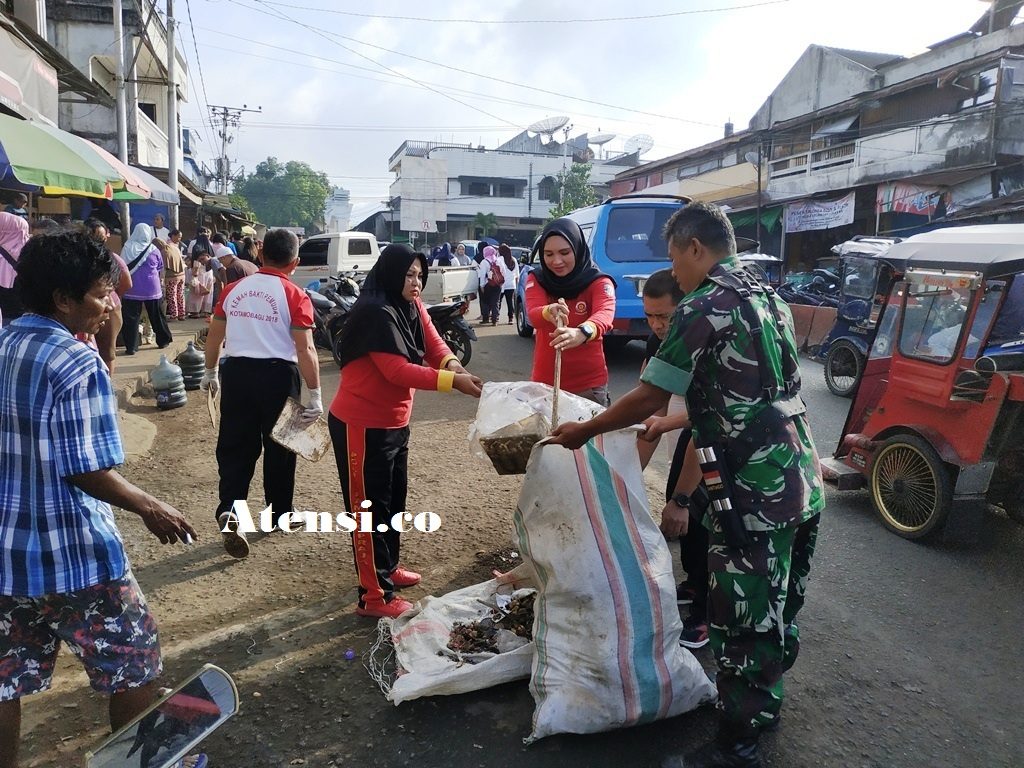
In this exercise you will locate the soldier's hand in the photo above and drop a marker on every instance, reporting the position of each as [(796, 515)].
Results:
[(167, 524), (571, 435), (675, 520)]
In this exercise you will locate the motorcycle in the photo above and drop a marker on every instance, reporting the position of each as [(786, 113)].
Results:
[(449, 320), (343, 290)]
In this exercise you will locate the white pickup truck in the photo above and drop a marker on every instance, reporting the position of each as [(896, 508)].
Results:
[(321, 256)]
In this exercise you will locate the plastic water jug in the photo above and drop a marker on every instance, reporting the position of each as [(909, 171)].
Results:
[(193, 366), (169, 385)]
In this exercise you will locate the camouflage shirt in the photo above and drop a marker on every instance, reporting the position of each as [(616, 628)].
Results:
[(709, 356)]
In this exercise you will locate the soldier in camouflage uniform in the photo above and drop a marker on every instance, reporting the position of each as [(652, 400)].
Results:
[(731, 351)]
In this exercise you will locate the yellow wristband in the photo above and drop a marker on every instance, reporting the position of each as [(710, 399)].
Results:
[(445, 381), (546, 314), (445, 360)]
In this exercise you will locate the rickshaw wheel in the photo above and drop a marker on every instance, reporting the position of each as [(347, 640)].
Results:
[(843, 366), (911, 487)]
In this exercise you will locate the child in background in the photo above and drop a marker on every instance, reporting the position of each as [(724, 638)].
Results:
[(199, 281)]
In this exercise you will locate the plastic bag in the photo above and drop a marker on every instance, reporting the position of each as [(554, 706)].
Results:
[(512, 408), (607, 625), (425, 666)]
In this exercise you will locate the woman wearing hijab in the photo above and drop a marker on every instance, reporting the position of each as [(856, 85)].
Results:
[(443, 256), (568, 286), (14, 233), (492, 281), (146, 266), (389, 348)]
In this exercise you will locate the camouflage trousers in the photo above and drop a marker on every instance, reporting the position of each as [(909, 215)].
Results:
[(754, 596)]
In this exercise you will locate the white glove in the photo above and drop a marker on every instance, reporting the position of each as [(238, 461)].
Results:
[(210, 381), (315, 409)]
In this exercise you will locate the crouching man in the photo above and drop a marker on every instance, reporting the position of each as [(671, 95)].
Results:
[(64, 575)]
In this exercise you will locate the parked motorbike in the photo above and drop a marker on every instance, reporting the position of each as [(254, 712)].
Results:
[(449, 320), (343, 290)]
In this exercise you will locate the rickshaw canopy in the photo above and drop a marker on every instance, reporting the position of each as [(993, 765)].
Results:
[(993, 250)]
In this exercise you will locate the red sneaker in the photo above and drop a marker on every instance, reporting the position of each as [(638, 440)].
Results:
[(403, 577), (378, 609)]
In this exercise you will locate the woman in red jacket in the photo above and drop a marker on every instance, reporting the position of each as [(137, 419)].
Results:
[(570, 287), (388, 349)]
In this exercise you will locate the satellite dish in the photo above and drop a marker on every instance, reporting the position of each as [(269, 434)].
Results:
[(640, 143), (548, 126), (600, 139)]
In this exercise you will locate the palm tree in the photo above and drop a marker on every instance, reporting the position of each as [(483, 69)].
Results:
[(487, 223)]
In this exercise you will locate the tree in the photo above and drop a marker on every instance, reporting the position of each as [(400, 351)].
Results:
[(288, 194), (242, 204), (487, 223), (577, 190)]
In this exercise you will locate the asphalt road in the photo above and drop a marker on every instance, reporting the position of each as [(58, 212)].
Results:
[(911, 652)]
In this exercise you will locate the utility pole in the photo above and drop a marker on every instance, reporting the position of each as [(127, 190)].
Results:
[(229, 117), (121, 105), (565, 173), (172, 112)]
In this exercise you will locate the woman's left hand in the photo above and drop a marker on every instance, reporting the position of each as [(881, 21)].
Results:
[(567, 338), (455, 367)]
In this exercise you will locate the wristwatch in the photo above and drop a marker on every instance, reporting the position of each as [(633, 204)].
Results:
[(681, 500), (588, 332)]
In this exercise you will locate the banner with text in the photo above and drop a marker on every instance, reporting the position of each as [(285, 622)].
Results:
[(820, 214), (900, 197)]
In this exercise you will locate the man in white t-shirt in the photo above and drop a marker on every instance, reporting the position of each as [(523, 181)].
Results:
[(159, 230), (265, 322)]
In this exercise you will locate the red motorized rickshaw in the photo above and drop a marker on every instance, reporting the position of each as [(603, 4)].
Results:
[(938, 415)]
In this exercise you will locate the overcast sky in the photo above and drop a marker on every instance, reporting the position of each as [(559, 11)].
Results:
[(332, 99)]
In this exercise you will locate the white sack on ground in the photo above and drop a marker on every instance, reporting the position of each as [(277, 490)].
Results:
[(425, 664), (606, 625)]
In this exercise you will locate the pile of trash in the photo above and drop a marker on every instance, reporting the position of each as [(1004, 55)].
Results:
[(490, 634)]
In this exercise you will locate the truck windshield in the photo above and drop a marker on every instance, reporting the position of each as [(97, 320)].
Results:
[(634, 233)]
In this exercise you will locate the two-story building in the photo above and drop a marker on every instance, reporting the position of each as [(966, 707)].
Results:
[(854, 142), (449, 184)]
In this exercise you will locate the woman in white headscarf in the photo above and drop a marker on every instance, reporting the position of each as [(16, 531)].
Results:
[(146, 266)]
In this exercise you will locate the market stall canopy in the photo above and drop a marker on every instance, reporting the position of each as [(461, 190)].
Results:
[(32, 158), (159, 191), (123, 181)]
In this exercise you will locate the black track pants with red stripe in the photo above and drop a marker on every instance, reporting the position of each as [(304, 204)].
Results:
[(373, 465)]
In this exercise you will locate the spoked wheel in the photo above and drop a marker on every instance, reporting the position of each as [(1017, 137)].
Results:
[(911, 487), (459, 343), (843, 366), (524, 330)]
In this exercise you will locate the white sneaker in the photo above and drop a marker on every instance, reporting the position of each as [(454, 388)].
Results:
[(235, 543)]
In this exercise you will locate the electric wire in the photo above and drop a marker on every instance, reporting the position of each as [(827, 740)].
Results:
[(202, 78), (577, 20), (325, 33)]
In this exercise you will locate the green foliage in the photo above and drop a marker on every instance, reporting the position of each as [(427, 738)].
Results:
[(242, 203), (288, 194), (486, 223), (577, 190)]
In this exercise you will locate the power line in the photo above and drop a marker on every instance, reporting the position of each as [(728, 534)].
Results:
[(576, 20), (402, 84), (382, 66), (460, 70), (199, 65)]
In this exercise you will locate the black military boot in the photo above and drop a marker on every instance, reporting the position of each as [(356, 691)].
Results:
[(723, 752)]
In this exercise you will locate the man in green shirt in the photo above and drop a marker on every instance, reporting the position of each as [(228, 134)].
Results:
[(731, 352)]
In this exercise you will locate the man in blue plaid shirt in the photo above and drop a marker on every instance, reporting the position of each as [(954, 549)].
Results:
[(64, 575)]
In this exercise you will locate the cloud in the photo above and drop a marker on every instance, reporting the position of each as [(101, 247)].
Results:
[(697, 70)]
